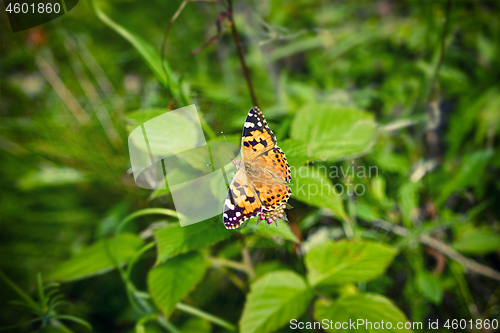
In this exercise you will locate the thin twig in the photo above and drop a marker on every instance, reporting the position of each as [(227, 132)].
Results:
[(62, 91), (236, 37), (95, 68), (88, 88), (224, 14), (466, 262), (443, 248), (172, 20), (239, 48)]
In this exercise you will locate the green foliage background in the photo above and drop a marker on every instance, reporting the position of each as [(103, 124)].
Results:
[(379, 84)]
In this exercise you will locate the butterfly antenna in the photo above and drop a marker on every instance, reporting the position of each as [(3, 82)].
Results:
[(234, 157), (216, 164)]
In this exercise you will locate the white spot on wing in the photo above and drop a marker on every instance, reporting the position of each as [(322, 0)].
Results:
[(229, 204)]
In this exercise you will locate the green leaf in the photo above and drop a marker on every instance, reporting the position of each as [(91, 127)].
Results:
[(321, 235), (149, 54), (345, 261), (472, 165), (142, 116), (75, 319), (334, 132), (296, 46), (346, 44), (408, 196), (378, 190), (97, 258), (282, 230), (428, 284), (169, 282), (296, 152), (145, 49), (467, 115), (310, 185), (371, 308), (273, 301), (387, 159), (478, 242), (50, 176), (111, 219), (174, 239), (266, 267), (183, 129), (366, 212), (159, 192), (196, 325)]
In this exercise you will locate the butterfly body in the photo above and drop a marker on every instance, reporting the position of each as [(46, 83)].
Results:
[(259, 182)]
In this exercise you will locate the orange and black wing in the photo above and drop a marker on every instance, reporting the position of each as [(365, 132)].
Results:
[(274, 162), (272, 195), (241, 202), (257, 137)]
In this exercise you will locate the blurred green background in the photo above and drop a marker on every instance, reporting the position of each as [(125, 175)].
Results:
[(411, 88)]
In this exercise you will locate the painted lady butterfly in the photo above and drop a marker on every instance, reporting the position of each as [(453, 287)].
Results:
[(258, 186)]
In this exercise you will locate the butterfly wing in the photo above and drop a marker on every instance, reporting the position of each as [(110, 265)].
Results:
[(259, 146), (261, 186), (274, 162), (257, 137), (272, 194), (241, 202), (260, 149)]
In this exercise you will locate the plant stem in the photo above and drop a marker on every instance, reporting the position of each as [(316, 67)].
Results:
[(167, 325), (137, 255), (19, 291), (466, 262), (443, 248), (235, 279), (247, 260), (458, 273), (239, 48), (139, 325), (129, 286), (229, 263), (350, 226), (41, 295), (142, 212), (199, 313), (433, 86)]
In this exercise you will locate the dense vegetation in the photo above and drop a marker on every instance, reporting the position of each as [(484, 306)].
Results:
[(388, 113)]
